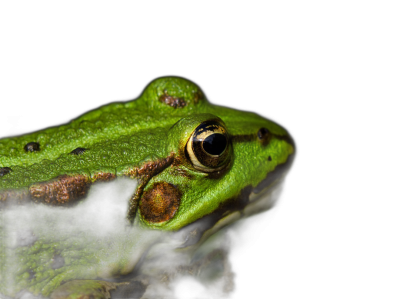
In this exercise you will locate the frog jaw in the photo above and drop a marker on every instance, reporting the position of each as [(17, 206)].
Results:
[(258, 202)]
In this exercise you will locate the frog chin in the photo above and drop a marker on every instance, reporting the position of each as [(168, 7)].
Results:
[(251, 203), (108, 268), (257, 202)]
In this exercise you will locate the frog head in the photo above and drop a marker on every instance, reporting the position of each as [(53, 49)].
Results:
[(220, 162), (195, 168)]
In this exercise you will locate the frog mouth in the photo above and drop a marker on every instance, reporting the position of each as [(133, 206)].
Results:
[(251, 200), (255, 203), (263, 199)]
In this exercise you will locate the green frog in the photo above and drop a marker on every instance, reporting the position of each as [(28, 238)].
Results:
[(179, 169)]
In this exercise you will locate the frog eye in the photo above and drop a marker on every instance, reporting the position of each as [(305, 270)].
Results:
[(208, 147)]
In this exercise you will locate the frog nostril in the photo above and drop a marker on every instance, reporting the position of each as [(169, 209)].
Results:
[(262, 133)]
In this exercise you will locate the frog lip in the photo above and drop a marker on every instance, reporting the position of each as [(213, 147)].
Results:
[(264, 199), (276, 174), (255, 196), (259, 202), (250, 200), (252, 204)]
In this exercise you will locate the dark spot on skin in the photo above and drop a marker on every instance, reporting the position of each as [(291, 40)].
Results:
[(78, 151), (174, 102), (262, 133), (32, 274), (269, 158), (25, 237), (4, 171), (160, 203), (179, 102), (57, 261), (32, 147)]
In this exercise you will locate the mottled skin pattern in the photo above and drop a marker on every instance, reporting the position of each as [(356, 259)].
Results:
[(143, 139)]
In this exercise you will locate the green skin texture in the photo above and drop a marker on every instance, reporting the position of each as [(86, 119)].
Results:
[(122, 136)]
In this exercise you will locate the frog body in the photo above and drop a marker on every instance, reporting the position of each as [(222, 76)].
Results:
[(185, 163)]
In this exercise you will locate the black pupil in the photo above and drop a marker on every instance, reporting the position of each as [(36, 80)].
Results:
[(215, 144)]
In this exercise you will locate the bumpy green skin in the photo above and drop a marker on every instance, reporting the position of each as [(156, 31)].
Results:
[(124, 136)]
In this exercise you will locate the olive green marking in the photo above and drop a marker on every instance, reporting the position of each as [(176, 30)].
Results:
[(4, 171), (32, 147), (160, 202)]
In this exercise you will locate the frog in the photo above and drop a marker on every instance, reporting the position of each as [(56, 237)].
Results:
[(182, 168)]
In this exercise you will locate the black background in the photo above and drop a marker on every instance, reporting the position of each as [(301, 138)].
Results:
[(289, 77)]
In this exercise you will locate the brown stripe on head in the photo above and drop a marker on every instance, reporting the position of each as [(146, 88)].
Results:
[(67, 189), (145, 173), (64, 191), (103, 177)]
